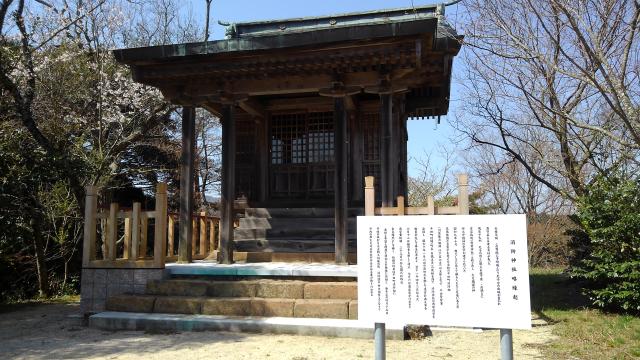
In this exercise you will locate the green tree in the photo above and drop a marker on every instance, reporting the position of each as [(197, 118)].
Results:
[(610, 216)]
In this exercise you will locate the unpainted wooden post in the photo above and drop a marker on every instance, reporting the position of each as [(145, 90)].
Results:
[(127, 237), (170, 234), (463, 194), (431, 206), (401, 208), (135, 232), (194, 235), (212, 236), (160, 238), (203, 233), (369, 196), (144, 236), (90, 213), (112, 233)]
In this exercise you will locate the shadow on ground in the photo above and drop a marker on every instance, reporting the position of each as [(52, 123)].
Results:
[(554, 290), (55, 331)]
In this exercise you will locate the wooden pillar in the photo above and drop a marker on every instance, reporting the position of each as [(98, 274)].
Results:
[(90, 212), (262, 145), (227, 196), (186, 183), (387, 167), (160, 231), (341, 183)]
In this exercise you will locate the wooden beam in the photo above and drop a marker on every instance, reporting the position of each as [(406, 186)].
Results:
[(213, 108), (186, 183), (341, 181), (253, 107), (227, 195)]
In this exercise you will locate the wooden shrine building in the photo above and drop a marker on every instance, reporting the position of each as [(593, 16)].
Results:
[(308, 108)]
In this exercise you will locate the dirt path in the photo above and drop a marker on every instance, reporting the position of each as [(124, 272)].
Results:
[(50, 332)]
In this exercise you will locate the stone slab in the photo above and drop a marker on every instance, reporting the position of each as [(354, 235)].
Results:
[(178, 305), (232, 288), (114, 321), (353, 309), (178, 288), (327, 309), (128, 303), (280, 289), (231, 307), (276, 307), (331, 290)]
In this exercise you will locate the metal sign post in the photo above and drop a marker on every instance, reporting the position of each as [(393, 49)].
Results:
[(379, 339), (506, 344)]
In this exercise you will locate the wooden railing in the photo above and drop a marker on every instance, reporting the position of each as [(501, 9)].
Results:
[(205, 236), (135, 235), (462, 208)]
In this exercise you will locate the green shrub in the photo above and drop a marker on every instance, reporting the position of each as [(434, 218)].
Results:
[(610, 216)]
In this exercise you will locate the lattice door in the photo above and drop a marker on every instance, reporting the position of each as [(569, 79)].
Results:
[(302, 155)]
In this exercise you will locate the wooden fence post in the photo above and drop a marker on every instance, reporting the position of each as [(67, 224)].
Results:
[(170, 235), (90, 212), (203, 233), (126, 254), (463, 194), (112, 233), (369, 196), (135, 232), (212, 236), (431, 206), (401, 208), (194, 235), (160, 239)]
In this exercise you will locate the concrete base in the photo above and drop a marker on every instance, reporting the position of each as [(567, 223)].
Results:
[(96, 285), (209, 268), (113, 321)]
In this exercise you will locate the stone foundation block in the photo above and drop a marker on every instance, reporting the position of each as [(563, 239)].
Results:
[(232, 307), (178, 305), (316, 308), (280, 289), (353, 310), (128, 303), (276, 307), (177, 288), (331, 290), (232, 289)]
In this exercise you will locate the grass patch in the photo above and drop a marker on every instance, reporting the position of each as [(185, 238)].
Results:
[(21, 304), (583, 333)]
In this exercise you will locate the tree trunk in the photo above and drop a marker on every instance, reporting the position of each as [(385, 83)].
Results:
[(41, 265)]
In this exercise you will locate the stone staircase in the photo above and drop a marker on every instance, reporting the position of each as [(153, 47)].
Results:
[(291, 230), (289, 298)]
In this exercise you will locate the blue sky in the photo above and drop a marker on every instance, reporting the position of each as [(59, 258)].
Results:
[(424, 135)]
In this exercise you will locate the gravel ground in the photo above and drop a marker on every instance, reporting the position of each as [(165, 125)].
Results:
[(55, 332)]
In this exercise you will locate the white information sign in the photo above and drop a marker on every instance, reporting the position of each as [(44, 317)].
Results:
[(446, 270)]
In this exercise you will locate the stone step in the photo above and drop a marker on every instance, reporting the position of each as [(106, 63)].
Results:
[(291, 223), (263, 288), (291, 245), (297, 212), (299, 233), (114, 321), (236, 306)]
